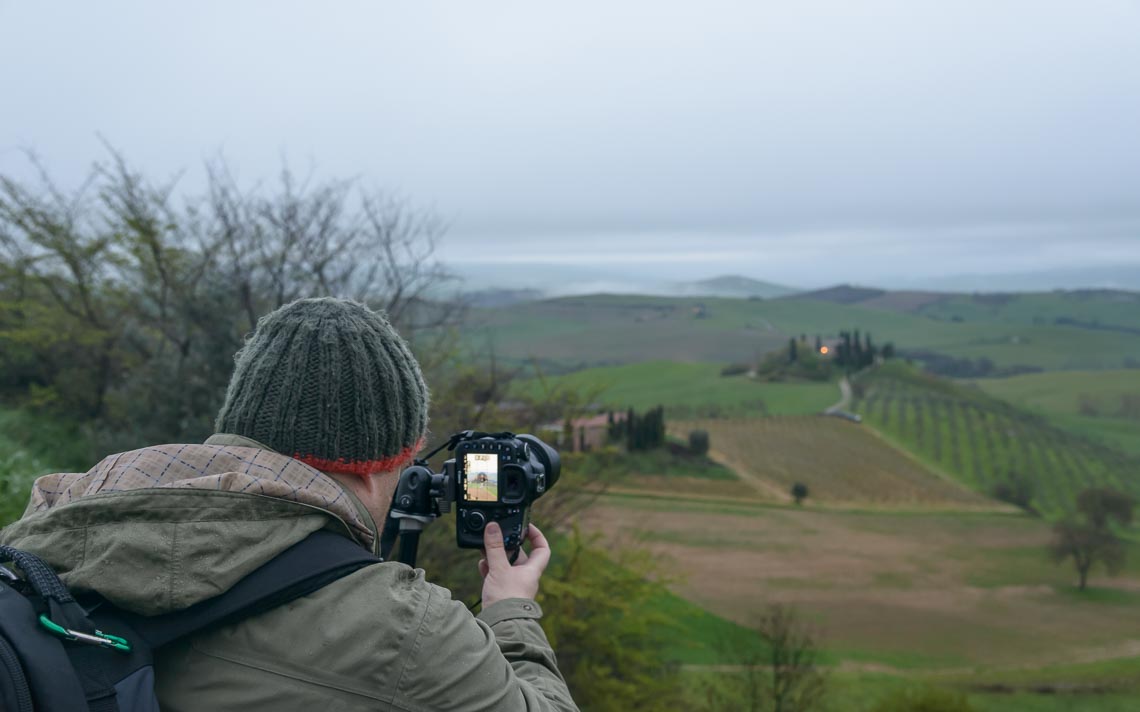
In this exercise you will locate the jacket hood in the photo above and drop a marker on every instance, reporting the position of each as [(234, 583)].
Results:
[(162, 528)]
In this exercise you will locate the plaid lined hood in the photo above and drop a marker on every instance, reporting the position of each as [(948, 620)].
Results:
[(164, 527)]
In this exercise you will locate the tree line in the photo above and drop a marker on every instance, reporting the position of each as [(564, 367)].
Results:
[(122, 301)]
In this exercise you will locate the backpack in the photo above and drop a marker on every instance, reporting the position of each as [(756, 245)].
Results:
[(57, 655)]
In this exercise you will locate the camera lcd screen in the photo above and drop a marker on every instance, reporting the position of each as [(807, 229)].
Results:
[(481, 477)]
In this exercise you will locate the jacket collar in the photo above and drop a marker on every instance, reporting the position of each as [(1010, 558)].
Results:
[(231, 440)]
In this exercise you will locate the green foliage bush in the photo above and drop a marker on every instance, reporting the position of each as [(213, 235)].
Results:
[(600, 617), (699, 442), (796, 360), (735, 369), (799, 492)]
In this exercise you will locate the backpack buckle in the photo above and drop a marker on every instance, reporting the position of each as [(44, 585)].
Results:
[(100, 638)]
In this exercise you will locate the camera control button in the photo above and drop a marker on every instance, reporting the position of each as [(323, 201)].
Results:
[(475, 520)]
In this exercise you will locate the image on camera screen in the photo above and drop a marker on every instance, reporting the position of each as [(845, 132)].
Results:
[(481, 483)]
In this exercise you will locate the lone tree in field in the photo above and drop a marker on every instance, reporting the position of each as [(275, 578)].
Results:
[(699, 442), (795, 683), (799, 492), (1089, 539), (780, 670)]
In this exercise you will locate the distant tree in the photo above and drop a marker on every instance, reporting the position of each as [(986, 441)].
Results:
[(1088, 539), (699, 442), (792, 350), (888, 350), (646, 431), (818, 344), (780, 667), (799, 492), (795, 683), (581, 439)]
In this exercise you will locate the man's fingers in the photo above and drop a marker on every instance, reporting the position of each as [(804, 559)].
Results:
[(539, 548), (536, 538), (521, 558), (483, 570), (496, 553)]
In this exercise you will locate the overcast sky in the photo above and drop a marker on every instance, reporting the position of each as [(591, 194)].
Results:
[(799, 142)]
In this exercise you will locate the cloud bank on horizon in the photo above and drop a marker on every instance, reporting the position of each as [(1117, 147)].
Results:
[(805, 143)]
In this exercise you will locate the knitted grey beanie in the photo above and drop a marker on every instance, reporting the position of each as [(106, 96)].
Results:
[(330, 383)]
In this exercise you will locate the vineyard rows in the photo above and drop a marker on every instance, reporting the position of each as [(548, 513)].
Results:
[(839, 461), (989, 444)]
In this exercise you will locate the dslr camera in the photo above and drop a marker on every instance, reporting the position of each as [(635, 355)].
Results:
[(493, 477)]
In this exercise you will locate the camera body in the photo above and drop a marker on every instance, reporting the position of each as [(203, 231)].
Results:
[(493, 477), (496, 480)]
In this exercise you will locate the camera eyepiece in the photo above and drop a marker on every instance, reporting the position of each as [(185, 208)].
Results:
[(547, 456)]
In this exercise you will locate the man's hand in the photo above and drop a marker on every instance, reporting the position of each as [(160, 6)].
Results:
[(501, 580)]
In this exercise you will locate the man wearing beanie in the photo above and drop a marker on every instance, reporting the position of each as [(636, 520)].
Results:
[(325, 407)]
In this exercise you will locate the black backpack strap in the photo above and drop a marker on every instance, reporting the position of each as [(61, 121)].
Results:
[(309, 565)]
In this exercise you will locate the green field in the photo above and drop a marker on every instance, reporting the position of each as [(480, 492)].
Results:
[(839, 461), (692, 390), (964, 600), (577, 332), (985, 442), (1092, 309), (1098, 404)]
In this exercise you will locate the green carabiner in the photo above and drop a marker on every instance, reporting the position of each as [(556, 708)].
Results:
[(105, 640)]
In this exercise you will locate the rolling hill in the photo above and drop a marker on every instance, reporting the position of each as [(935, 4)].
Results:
[(839, 461), (1038, 331), (690, 390), (1101, 405), (988, 443)]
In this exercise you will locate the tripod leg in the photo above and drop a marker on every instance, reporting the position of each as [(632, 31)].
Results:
[(409, 546)]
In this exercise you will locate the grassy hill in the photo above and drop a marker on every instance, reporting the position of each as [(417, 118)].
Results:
[(694, 390), (1089, 309), (985, 442), (731, 285), (1043, 331), (1101, 405), (839, 461)]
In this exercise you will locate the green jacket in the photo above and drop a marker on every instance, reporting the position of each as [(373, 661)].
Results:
[(159, 529)]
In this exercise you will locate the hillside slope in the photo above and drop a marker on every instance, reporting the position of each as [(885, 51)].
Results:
[(1100, 405), (988, 443), (609, 329), (839, 461)]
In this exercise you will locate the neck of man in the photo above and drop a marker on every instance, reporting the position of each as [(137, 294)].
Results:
[(372, 492)]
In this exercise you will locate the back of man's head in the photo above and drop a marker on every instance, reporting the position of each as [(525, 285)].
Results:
[(330, 383)]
